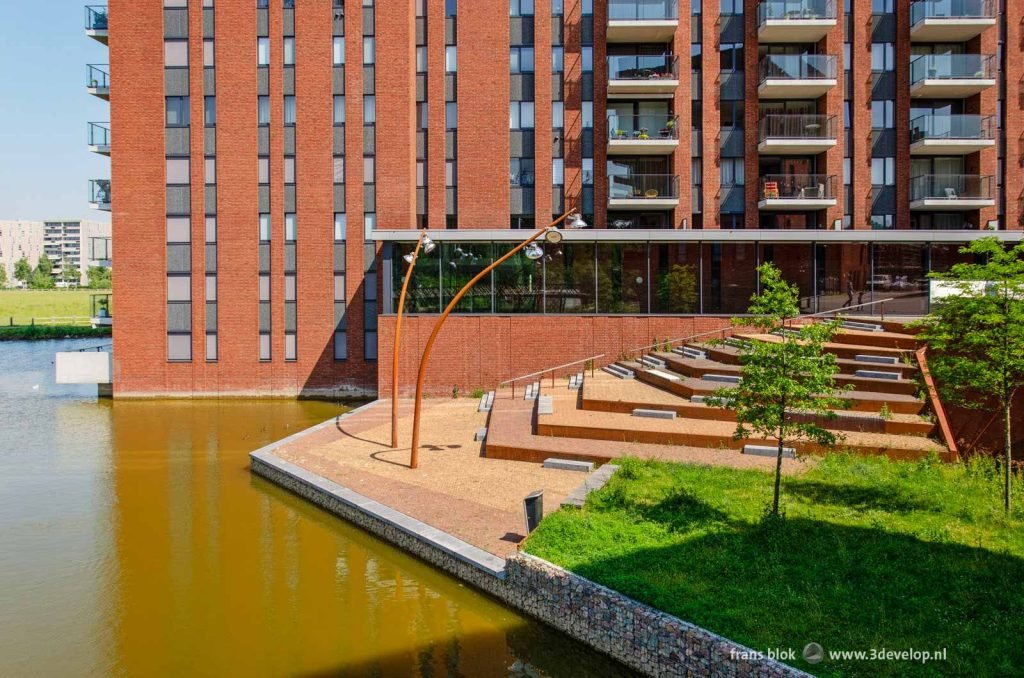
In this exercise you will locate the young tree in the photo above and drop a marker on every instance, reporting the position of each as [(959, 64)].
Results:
[(975, 335), (45, 266), (22, 270), (787, 380), (69, 273), (40, 280)]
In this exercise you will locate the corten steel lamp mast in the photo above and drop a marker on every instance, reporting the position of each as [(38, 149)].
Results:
[(428, 246), (551, 234)]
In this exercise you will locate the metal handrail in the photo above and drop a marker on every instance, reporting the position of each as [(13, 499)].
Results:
[(723, 331), (847, 308), (549, 369), (99, 348)]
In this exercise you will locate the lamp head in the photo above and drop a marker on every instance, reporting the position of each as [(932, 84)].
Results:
[(553, 235), (533, 251), (409, 258), (428, 245), (576, 221)]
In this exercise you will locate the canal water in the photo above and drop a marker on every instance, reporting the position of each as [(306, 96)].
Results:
[(135, 542)]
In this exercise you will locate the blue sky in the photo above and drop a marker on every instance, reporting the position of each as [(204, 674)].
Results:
[(44, 162)]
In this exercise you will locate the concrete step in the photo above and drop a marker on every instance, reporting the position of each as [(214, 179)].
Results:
[(486, 402), (689, 352), (532, 391), (481, 434), (654, 414), (617, 370), (652, 362), (769, 451), (875, 374), (569, 465), (865, 327), (575, 381), (877, 359), (545, 405), (723, 378)]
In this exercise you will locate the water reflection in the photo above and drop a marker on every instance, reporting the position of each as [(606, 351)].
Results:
[(134, 541)]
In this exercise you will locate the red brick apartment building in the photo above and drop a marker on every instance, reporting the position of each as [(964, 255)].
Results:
[(277, 157)]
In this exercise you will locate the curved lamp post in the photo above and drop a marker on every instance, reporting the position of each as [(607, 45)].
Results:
[(552, 235), (428, 246)]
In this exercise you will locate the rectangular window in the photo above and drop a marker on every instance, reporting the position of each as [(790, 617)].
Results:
[(211, 229), (557, 114), (369, 51), (731, 57), (264, 287), (289, 227), (179, 288), (208, 53), (369, 225), (521, 60), (450, 59), (883, 114), (263, 170), (210, 170), (289, 110), (369, 110), (340, 227), (339, 51), (369, 169), (176, 53), (731, 113), (289, 346), (557, 59), (421, 59), (521, 8), (289, 51), (883, 56), (211, 347), (339, 110), (264, 227), (211, 288), (178, 171), (289, 169), (521, 115), (340, 345), (264, 347), (587, 114), (588, 171), (262, 51), (209, 111), (558, 171), (587, 57), (263, 110), (421, 173), (451, 115), (732, 171), (521, 171), (339, 169), (179, 229), (449, 7), (289, 287), (883, 171), (179, 347), (421, 115), (177, 112), (450, 173)]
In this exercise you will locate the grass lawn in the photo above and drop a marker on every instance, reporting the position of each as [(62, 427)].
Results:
[(871, 554), (23, 305)]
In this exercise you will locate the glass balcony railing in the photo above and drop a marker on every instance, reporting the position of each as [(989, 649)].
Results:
[(642, 127), (952, 127), (797, 187), (951, 67), (96, 18), (798, 67), (790, 126), (951, 9), (642, 10), (950, 187), (642, 186), (99, 134), (652, 67), (795, 9), (99, 191), (97, 76)]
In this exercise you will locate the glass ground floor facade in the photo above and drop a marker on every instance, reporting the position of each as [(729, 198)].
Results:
[(672, 277)]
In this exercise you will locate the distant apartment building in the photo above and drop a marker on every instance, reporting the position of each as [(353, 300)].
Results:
[(70, 245)]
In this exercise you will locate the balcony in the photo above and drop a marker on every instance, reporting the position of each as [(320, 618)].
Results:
[(643, 77), (97, 81), (951, 134), (795, 20), (797, 192), (99, 194), (796, 76), (642, 134), (96, 22), (951, 192), (796, 134), (99, 137), (642, 20), (950, 20), (949, 76), (643, 191)]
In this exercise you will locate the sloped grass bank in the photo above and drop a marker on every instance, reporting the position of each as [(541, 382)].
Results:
[(872, 554)]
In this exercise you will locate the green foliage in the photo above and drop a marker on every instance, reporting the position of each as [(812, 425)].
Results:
[(69, 273), (871, 552), (677, 289), (100, 278), (975, 337), (41, 281), (884, 412), (3, 276), (44, 266), (22, 270), (478, 393), (49, 332), (778, 378)]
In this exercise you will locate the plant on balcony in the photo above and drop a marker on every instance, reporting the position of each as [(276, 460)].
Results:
[(666, 131), (644, 133), (620, 134)]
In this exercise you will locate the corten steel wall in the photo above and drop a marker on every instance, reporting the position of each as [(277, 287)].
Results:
[(480, 351)]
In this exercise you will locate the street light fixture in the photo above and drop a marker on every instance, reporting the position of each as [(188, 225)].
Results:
[(552, 235)]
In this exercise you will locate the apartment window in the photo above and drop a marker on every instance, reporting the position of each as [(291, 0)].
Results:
[(178, 171), (732, 6), (731, 114), (731, 56), (289, 346), (340, 226), (882, 6), (422, 111), (732, 171), (587, 57), (177, 112), (263, 110), (557, 171), (176, 53), (450, 59), (588, 171), (211, 288), (262, 51), (264, 347), (339, 51), (263, 170), (369, 50), (289, 228), (264, 227), (451, 115), (208, 53), (521, 8), (557, 8), (847, 172), (557, 114), (264, 287), (289, 169), (557, 59), (179, 347), (289, 110), (210, 170), (179, 229), (211, 229), (179, 288), (521, 115), (369, 169), (339, 110), (289, 51), (451, 173), (449, 7), (883, 114), (883, 56), (421, 173), (339, 169), (588, 114), (209, 111), (521, 59), (369, 110), (421, 59), (881, 222), (587, 7), (883, 171), (369, 224), (211, 347)]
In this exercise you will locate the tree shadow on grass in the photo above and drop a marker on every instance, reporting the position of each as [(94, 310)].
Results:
[(796, 581), (862, 497)]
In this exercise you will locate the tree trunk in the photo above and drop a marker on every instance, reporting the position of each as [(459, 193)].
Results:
[(778, 476), (1009, 456)]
